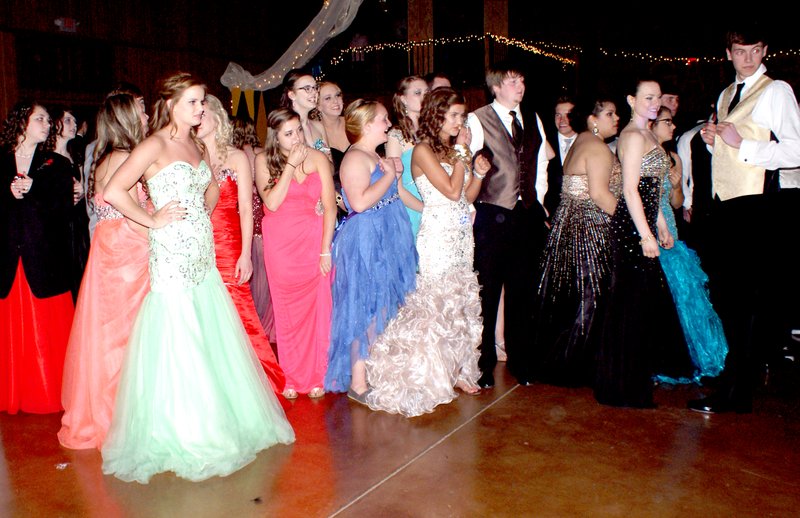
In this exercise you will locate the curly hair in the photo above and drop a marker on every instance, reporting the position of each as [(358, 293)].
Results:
[(171, 89), (224, 131), (404, 122), (57, 114), (15, 124), (431, 119), (276, 161), (244, 133), (119, 128)]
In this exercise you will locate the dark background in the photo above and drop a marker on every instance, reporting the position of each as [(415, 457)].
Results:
[(143, 41)]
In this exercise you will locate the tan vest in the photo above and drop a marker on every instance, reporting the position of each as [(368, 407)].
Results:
[(731, 177)]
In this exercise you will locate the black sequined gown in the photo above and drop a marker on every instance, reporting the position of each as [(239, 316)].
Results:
[(641, 332), (576, 272)]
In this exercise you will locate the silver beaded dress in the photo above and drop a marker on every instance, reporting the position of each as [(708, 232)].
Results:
[(433, 342), (576, 272)]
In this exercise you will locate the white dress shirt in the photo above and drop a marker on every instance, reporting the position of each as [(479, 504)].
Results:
[(777, 111), (685, 154), (564, 143), (476, 144)]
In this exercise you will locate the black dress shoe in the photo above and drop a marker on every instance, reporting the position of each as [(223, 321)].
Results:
[(719, 405), (486, 381), (525, 382)]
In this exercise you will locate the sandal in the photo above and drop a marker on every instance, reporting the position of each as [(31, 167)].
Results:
[(316, 392), (358, 398), (290, 393)]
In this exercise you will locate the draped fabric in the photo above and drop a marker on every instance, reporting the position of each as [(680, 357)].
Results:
[(334, 17)]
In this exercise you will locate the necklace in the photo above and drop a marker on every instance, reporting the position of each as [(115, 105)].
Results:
[(20, 155)]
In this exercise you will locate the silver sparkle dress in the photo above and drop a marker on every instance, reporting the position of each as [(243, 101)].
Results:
[(433, 342), (576, 271)]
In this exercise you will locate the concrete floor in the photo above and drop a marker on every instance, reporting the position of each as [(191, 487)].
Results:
[(512, 451)]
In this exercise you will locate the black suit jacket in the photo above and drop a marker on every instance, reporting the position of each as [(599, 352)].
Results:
[(37, 227)]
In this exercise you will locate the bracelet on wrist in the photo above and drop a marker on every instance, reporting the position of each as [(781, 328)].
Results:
[(327, 254), (478, 175), (646, 239)]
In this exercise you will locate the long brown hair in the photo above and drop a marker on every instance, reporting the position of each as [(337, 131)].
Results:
[(431, 119), (172, 88), (276, 162), (119, 128), (404, 122)]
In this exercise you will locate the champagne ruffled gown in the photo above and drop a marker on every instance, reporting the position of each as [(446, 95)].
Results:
[(433, 342)]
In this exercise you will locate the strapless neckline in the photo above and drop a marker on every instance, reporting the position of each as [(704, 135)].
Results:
[(199, 166)]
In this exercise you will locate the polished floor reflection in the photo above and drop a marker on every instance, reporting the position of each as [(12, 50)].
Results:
[(512, 451)]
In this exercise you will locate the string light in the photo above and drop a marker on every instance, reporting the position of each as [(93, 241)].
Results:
[(558, 52), (408, 46)]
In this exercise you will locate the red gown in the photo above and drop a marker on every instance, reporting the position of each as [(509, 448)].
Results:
[(228, 247), (301, 294)]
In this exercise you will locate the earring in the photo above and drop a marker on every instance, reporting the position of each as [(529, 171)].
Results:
[(595, 131)]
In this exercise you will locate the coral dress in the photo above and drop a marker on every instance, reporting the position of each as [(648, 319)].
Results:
[(114, 284), (301, 294), (228, 247), (192, 397)]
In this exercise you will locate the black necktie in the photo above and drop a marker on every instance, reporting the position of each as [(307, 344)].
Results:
[(516, 130), (737, 97)]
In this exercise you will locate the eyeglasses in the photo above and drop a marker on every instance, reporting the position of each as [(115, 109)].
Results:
[(668, 122), (308, 88)]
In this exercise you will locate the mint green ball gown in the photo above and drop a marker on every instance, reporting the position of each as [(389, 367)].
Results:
[(193, 398)]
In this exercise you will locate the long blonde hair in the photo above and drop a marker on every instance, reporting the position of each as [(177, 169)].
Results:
[(224, 130)]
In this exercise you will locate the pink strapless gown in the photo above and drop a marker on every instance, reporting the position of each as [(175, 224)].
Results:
[(114, 284), (228, 247), (301, 295)]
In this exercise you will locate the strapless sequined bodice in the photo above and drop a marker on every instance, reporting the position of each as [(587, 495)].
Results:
[(655, 164), (104, 211), (181, 253), (445, 237), (576, 186)]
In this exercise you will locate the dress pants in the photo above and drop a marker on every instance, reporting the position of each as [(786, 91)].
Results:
[(508, 246)]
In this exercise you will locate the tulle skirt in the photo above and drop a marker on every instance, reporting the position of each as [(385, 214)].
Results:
[(375, 264), (192, 398)]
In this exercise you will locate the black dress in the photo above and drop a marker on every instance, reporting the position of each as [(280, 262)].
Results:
[(641, 331)]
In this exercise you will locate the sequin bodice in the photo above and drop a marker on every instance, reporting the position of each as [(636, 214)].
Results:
[(445, 237), (104, 211), (655, 166), (575, 187), (666, 209), (182, 252)]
